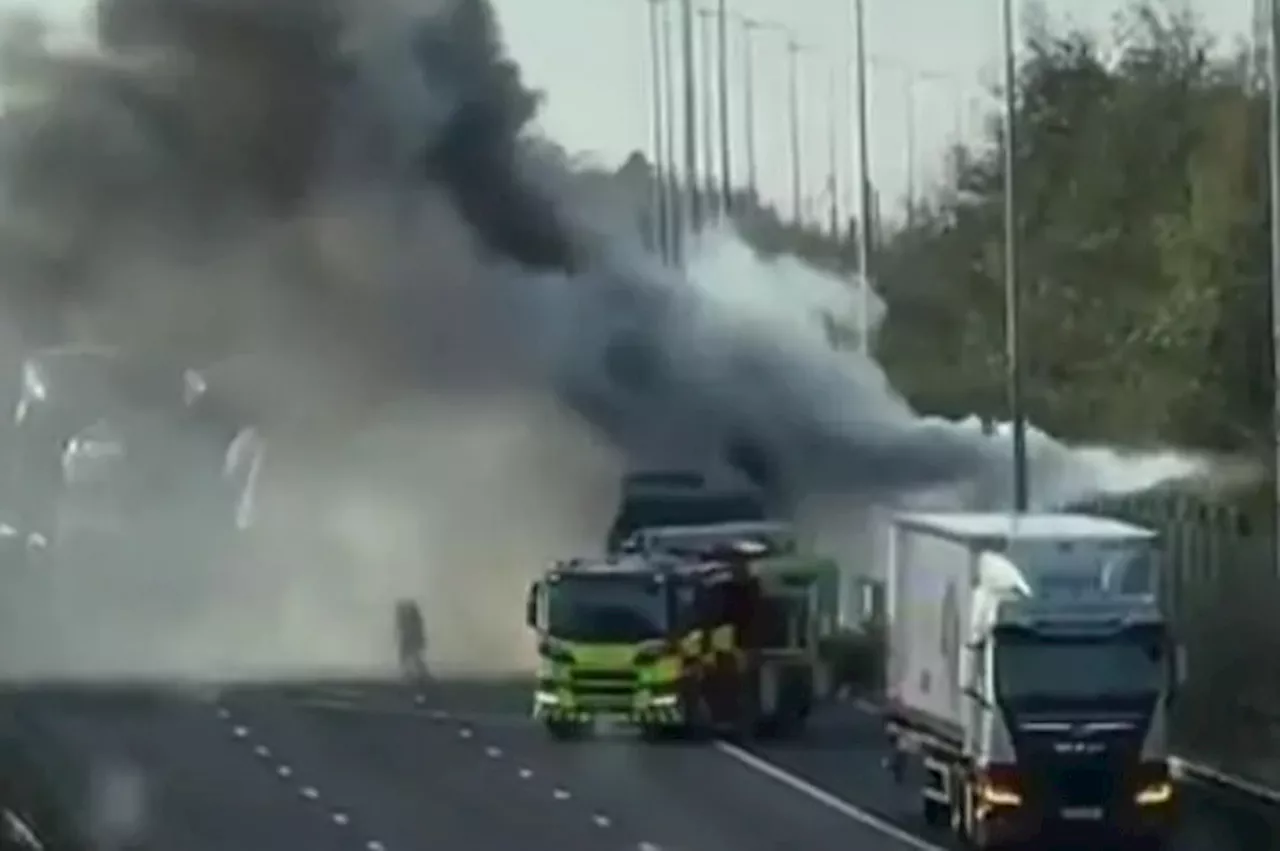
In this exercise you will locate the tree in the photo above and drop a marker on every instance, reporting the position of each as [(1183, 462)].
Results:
[(1139, 172)]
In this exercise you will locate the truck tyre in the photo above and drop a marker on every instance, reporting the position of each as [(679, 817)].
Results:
[(961, 811), (936, 813), (746, 722), (565, 731)]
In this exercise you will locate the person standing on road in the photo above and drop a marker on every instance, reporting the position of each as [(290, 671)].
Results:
[(411, 640)]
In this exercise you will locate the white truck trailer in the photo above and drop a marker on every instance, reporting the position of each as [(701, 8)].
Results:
[(1029, 674)]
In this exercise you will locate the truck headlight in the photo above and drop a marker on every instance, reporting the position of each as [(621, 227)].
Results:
[(998, 796), (664, 701), (1154, 794)]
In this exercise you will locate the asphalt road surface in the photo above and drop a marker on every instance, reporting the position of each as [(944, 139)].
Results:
[(359, 766)]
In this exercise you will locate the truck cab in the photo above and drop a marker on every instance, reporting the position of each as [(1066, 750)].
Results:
[(1043, 708)]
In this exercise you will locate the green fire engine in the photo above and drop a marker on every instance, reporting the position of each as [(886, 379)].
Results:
[(718, 635)]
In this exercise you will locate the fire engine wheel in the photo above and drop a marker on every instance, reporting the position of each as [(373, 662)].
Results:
[(565, 731), (698, 719)]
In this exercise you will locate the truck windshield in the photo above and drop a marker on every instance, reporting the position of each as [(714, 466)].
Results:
[(683, 508), (612, 609), (1029, 669), (1084, 569)]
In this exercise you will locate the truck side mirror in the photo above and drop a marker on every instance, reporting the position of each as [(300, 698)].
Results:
[(1180, 666), (531, 605)]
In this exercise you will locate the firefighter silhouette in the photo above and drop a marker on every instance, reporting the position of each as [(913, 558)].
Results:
[(411, 640)]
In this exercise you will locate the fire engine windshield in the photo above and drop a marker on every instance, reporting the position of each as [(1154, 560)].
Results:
[(1029, 669), (607, 609)]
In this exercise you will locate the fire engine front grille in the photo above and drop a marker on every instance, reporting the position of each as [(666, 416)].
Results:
[(605, 682)]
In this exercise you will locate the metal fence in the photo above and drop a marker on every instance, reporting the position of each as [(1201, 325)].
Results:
[(1222, 589)]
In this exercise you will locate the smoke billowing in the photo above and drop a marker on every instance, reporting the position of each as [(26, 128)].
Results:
[(335, 208)]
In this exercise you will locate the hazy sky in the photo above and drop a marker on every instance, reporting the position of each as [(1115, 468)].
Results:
[(591, 58)]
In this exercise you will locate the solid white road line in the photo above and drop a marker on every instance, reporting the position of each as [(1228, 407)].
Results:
[(824, 797)]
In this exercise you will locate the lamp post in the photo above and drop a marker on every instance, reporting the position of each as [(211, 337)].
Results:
[(1273, 158), (1012, 287), (865, 204), (722, 68), (660, 201), (793, 73), (749, 28), (692, 186)]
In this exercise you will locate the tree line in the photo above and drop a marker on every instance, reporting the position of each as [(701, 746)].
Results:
[(1141, 174)]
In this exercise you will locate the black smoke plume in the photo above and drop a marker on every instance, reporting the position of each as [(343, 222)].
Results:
[(224, 176)]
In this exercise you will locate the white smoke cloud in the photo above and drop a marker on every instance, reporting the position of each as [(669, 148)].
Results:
[(448, 339)]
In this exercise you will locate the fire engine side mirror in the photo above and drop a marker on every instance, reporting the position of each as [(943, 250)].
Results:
[(531, 605), (1179, 666)]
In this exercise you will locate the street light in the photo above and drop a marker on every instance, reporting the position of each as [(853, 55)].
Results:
[(833, 151), (692, 187), (675, 206), (661, 164), (794, 48), (749, 29), (726, 147), (1012, 289), (1273, 157), (707, 19), (865, 204)]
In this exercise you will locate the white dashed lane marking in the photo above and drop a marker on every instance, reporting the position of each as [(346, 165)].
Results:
[(338, 817), (340, 701)]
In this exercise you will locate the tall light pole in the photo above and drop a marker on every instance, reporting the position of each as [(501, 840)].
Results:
[(1012, 288), (726, 145), (707, 22), (833, 152), (692, 186), (909, 104), (793, 72), (749, 28), (660, 163), (866, 205), (1273, 156), (675, 204)]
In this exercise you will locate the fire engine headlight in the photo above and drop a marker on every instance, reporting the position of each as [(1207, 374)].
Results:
[(553, 652), (1154, 794), (999, 796), (546, 698), (651, 652), (663, 701)]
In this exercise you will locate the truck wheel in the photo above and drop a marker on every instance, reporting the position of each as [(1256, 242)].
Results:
[(770, 727), (936, 813), (565, 731), (961, 811)]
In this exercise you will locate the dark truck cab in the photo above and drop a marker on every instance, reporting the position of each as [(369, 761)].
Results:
[(1081, 703), (682, 498)]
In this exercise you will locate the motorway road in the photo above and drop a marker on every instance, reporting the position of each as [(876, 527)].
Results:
[(359, 766)]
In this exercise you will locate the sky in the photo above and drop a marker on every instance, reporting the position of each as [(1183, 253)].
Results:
[(591, 59), (934, 63)]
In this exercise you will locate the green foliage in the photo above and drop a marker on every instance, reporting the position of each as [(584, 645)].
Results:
[(1141, 176)]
